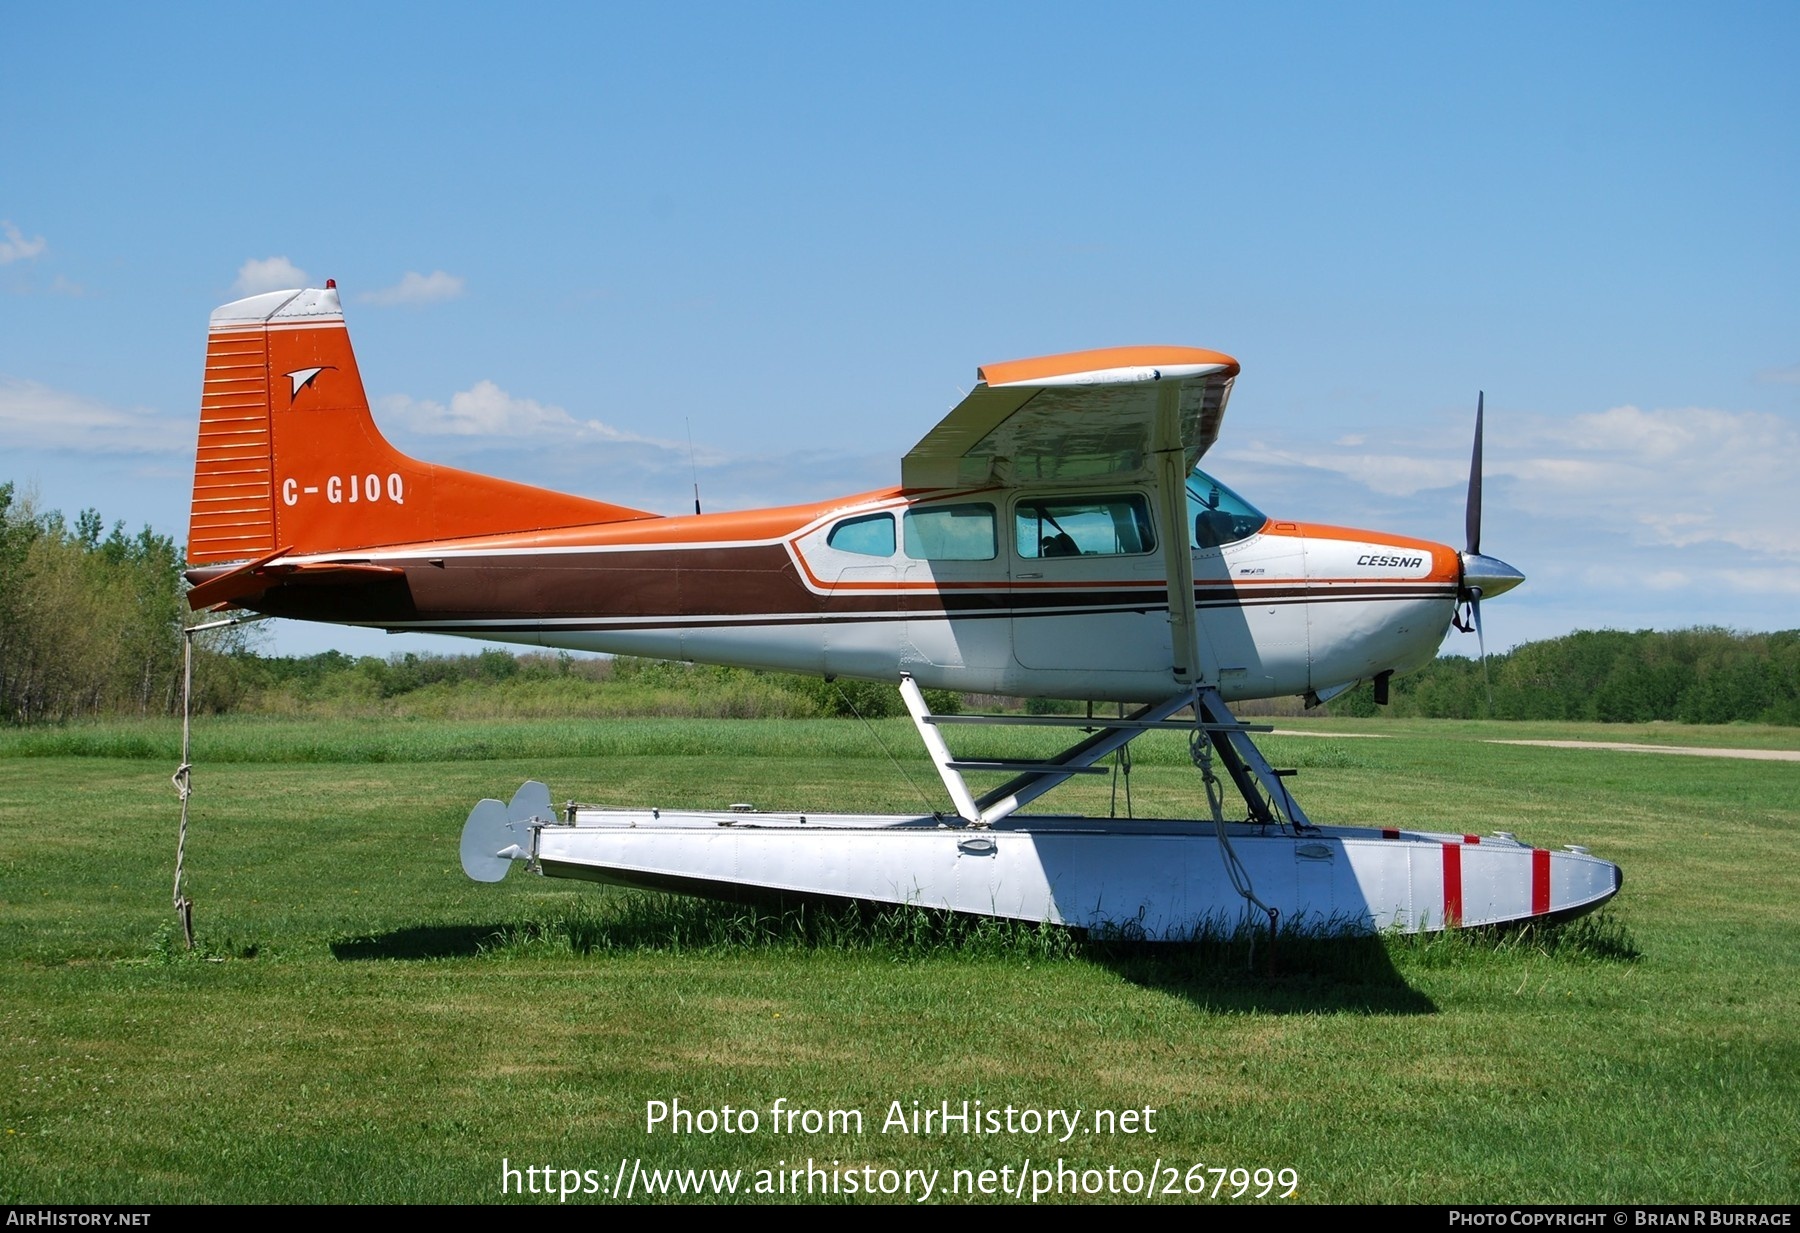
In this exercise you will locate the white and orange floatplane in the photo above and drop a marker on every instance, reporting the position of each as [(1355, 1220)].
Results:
[(1051, 537)]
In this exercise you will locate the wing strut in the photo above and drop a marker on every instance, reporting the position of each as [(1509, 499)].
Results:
[(1189, 665)]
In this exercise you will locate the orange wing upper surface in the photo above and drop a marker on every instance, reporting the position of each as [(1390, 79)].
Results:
[(1075, 418)]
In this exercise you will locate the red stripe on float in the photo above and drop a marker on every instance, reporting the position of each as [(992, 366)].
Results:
[(1388, 832), (1471, 838), (1540, 881), (1453, 907)]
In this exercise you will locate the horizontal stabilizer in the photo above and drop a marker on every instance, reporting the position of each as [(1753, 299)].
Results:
[(224, 590)]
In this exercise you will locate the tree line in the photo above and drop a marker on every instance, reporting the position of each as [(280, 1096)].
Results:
[(1695, 676), (91, 620)]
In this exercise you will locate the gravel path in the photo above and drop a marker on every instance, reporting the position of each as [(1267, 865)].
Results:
[(1697, 751)]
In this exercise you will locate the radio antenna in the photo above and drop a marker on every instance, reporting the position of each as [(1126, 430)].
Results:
[(692, 465)]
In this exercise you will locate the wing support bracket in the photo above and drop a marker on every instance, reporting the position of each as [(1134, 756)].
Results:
[(1264, 791)]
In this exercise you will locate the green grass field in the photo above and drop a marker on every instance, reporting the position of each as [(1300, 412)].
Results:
[(363, 1024)]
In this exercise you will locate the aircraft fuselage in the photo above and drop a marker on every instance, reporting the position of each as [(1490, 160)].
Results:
[(873, 587)]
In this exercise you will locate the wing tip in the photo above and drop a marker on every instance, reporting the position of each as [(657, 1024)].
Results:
[(1107, 365)]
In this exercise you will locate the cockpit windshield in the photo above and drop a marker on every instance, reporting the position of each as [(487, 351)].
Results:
[(1217, 515)]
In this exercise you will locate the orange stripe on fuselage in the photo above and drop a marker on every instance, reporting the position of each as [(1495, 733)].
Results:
[(1446, 565), (739, 528)]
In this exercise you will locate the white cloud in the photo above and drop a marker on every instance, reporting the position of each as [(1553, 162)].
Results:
[(1578, 473), (1680, 477), (1764, 582), (15, 247), (35, 416), (1674, 478), (415, 288), (269, 274), (1397, 475), (482, 410), (486, 410)]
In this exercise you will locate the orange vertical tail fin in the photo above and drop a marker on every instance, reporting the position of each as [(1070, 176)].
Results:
[(290, 460)]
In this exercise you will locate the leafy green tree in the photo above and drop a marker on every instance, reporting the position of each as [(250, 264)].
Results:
[(87, 625)]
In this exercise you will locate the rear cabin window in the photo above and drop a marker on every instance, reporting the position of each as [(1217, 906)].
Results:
[(1110, 526), (951, 533), (869, 536)]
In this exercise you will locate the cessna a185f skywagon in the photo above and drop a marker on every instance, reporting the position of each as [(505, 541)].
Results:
[(1051, 537)]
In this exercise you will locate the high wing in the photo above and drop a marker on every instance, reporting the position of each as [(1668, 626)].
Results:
[(1121, 414), (1076, 418)]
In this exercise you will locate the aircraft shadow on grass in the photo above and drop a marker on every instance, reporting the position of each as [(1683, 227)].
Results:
[(424, 942), (1304, 975), (1225, 974)]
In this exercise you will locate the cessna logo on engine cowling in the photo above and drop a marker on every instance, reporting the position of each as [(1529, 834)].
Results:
[(1375, 558)]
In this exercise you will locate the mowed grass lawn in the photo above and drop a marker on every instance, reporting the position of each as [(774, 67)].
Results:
[(363, 1024)]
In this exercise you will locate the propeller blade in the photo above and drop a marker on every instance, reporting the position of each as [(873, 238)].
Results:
[(1472, 511), (1481, 641)]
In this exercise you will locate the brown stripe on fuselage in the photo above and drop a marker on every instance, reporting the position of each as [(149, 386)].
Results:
[(701, 582)]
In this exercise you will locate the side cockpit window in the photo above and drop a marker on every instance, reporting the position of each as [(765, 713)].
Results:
[(951, 532), (1218, 516), (871, 535), (1083, 526)]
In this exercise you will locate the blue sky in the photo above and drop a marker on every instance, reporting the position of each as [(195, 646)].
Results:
[(568, 237)]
